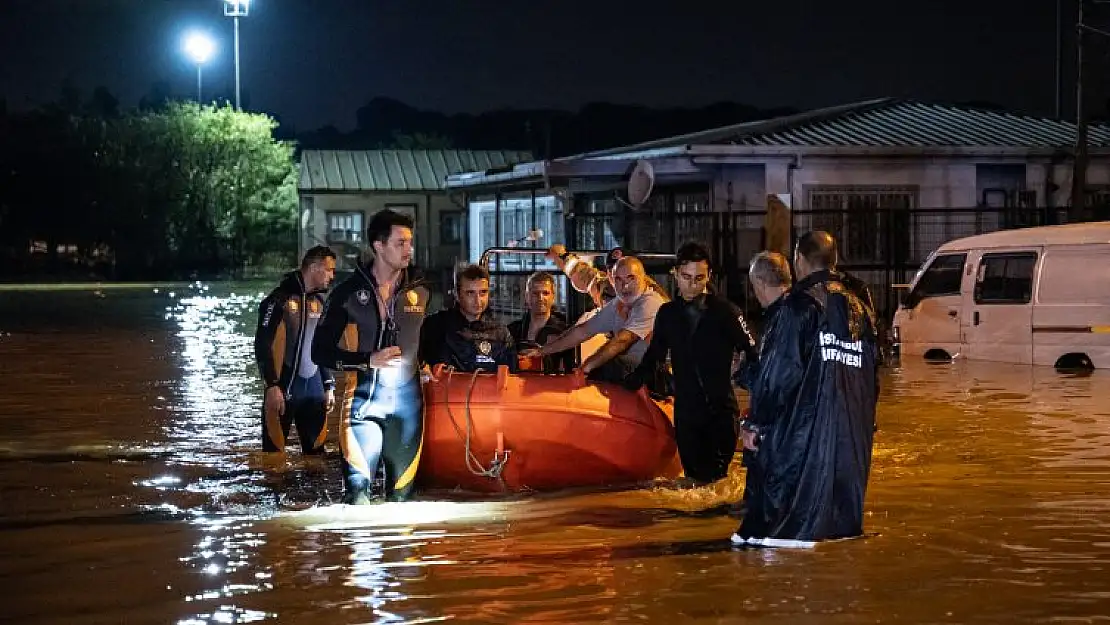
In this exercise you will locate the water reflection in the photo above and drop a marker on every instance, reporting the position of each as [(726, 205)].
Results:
[(988, 503)]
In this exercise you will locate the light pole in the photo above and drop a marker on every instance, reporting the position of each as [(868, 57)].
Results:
[(1079, 173), (236, 9), (200, 48)]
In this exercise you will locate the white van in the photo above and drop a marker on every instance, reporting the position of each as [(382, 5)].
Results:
[(1032, 296)]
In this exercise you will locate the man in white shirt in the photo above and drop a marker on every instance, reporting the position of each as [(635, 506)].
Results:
[(628, 319)]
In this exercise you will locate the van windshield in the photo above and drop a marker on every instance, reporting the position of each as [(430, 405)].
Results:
[(941, 277)]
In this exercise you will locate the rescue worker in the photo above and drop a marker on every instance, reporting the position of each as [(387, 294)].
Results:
[(813, 405), (541, 323), (628, 319), (371, 331), (701, 331), (464, 336), (770, 279), (297, 391)]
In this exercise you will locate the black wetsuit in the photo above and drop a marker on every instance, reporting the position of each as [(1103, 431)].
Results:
[(701, 335), (282, 340), (480, 345), (563, 362), (383, 411)]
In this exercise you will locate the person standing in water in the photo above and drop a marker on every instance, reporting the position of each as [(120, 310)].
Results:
[(813, 400), (701, 331), (297, 391), (371, 332)]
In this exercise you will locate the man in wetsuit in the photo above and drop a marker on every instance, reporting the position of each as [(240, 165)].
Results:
[(701, 331), (813, 403), (465, 336), (297, 391), (628, 319), (370, 332), (541, 323)]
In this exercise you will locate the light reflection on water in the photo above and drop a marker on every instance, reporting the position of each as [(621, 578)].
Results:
[(129, 461)]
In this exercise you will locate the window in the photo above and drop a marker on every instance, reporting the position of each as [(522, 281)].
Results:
[(941, 277), (1068, 275), (1005, 278), (450, 228), (345, 227), (515, 222), (861, 219)]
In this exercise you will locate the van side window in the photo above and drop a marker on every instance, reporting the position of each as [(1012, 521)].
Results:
[(1005, 278)]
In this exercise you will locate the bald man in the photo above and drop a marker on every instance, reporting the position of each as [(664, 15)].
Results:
[(813, 400), (628, 319)]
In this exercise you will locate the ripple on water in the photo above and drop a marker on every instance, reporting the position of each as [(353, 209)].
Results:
[(132, 463)]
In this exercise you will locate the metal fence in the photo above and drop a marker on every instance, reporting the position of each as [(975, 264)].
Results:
[(883, 246)]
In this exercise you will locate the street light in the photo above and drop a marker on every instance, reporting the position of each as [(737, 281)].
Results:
[(200, 48), (236, 9)]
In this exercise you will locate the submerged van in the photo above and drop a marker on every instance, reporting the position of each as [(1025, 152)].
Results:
[(1031, 296)]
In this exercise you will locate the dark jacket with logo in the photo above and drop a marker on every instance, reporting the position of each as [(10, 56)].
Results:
[(352, 328), (469, 346), (279, 338), (813, 400)]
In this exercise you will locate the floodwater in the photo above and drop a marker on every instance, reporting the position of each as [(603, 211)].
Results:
[(131, 491)]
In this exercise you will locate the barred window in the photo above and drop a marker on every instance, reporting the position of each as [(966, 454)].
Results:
[(860, 218)]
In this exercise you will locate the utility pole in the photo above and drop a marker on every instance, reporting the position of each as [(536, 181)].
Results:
[(1079, 171), (1059, 59)]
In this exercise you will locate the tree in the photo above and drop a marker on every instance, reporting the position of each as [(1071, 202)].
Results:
[(199, 187), (418, 141)]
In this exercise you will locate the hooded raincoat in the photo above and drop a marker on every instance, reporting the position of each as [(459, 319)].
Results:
[(813, 397)]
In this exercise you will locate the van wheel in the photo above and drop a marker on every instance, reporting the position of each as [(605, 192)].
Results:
[(938, 355), (1075, 362)]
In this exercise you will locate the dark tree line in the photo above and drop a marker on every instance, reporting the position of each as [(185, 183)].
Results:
[(168, 190)]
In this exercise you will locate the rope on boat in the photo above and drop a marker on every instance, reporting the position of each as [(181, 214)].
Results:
[(472, 463)]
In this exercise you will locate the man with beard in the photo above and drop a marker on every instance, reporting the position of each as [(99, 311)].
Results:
[(464, 336), (628, 319), (297, 391), (370, 331), (812, 418), (541, 323), (701, 331)]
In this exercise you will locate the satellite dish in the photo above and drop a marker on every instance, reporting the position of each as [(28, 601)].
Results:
[(640, 183)]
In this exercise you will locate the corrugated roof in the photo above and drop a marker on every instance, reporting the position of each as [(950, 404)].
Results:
[(396, 170), (888, 122)]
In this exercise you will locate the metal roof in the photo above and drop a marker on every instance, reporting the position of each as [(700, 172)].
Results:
[(887, 123), (396, 170)]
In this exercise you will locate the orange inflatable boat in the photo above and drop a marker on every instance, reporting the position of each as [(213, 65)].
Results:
[(517, 432)]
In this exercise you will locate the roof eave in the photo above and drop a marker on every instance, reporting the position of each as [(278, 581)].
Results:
[(881, 151)]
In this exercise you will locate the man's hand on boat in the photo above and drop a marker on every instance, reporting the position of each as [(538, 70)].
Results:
[(427, 375), (386, 357), (532, 352)]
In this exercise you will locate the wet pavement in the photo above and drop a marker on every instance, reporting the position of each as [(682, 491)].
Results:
[(131, 490)]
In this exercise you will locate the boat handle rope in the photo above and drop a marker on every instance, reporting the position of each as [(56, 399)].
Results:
[(497, 466)]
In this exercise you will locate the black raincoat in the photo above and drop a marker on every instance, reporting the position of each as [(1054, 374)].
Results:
[(813, 396)]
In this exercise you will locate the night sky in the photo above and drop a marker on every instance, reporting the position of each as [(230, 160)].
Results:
[(314, 62)]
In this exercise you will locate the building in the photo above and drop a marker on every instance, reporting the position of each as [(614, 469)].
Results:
[(892, 179), (341, 189)]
